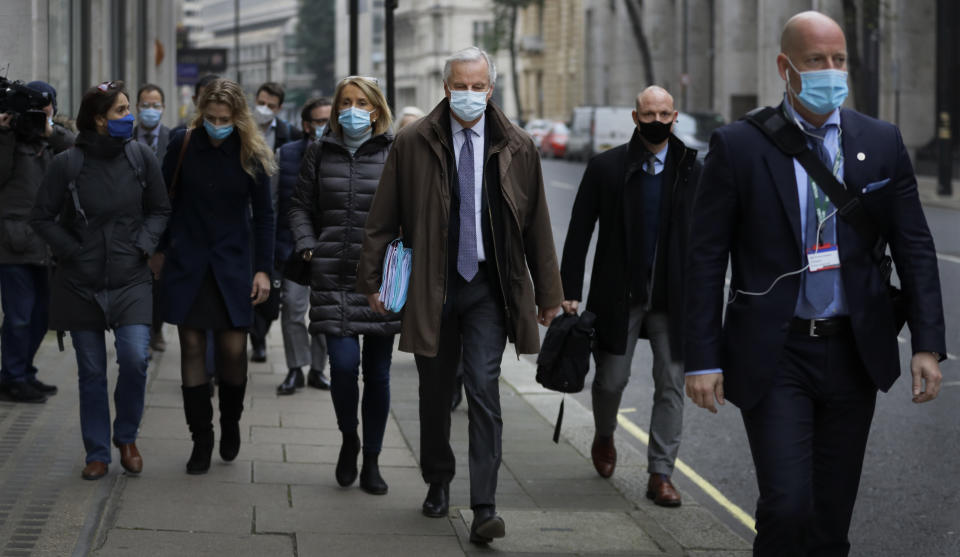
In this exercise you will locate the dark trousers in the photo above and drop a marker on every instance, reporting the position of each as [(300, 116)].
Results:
[(25, 295), (473, 323), (808, 436), (258, 330), (345, 364)]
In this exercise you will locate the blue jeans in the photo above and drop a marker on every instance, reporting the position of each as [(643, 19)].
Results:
[(25, 298), (131, 343), (345, 370)]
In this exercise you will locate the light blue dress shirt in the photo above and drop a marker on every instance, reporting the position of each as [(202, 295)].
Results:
[(661, 158)]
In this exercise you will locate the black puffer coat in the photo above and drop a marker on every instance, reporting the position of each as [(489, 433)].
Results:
[(102, 280), (328, 212)]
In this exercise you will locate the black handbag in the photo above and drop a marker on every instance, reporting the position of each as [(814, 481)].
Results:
[(792, 142), (297, 269), (564, 359), (269, 309)]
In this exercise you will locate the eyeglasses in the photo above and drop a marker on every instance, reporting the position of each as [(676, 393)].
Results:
[(371, 79), (144, 106), (106, 86)]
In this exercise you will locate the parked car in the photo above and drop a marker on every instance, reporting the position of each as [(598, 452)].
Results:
[(537, 129), (694, 130), (554, 144), (595, 129)]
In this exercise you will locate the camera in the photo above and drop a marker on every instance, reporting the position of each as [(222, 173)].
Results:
[(25, 106)]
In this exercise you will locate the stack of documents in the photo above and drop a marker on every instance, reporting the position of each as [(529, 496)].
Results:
[(396, 276)]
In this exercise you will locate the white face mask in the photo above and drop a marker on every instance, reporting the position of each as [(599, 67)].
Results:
[(263, 115)]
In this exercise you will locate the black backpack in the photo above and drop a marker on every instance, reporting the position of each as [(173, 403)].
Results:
[(564, 358), (75, 164)]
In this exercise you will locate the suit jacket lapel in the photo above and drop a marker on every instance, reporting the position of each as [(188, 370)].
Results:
[(853, 169), (784, 177)]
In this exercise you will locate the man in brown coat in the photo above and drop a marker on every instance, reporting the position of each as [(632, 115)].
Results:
[(464, 186)]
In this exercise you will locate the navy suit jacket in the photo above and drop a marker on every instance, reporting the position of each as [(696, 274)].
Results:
[(747, 209)]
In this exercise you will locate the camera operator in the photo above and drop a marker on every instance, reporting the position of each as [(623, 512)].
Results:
[(25, 153)]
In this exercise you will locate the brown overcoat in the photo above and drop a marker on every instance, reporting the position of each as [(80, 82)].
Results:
[(414, 195)]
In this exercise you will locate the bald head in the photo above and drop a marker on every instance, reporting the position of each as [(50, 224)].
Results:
[(807, 28), (654, 95)]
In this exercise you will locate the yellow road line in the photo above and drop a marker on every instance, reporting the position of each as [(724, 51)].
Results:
[(696, 478)]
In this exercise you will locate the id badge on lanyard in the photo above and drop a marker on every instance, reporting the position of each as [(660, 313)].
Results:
[(824, 256)]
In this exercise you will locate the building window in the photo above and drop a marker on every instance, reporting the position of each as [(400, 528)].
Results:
[(483, 34)]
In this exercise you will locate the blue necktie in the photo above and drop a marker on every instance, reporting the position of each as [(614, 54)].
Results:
[(818, 287), (467, 254)]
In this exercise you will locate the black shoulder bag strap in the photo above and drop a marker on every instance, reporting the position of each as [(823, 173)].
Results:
[(793, 142)]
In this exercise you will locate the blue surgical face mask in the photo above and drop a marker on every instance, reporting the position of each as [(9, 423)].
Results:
[(468, 105), (822, 91), (150, 117), (217, 132), (318, 131), (121, 127), (354, 121)]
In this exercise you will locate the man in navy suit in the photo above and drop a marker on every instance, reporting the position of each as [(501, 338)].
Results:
[(809, 334)]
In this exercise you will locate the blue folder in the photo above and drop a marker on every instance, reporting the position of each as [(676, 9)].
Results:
[(397, 263)]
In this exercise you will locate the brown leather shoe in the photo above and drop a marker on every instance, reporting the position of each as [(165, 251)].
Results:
[(94, 470), (662, 492), (130, 458), (604, 455)]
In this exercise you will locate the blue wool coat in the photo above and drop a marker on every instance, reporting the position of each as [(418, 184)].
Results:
[(289, 157), (211, 227)]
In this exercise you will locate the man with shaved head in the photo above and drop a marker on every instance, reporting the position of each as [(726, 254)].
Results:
[(809, 333), (641, 193)]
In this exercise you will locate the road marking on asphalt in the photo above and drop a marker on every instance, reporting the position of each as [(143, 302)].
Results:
[(950, 384), (563, 186), (950, 258), (627, 410), (696, 478)]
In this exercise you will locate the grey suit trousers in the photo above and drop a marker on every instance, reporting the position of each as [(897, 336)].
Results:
[(613, 374), (299, 346), (474, 325)]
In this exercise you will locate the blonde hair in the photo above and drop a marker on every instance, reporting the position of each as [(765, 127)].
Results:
[(372, 91), (255, 154)]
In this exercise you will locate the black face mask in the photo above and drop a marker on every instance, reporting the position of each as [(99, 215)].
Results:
[(655, 132)]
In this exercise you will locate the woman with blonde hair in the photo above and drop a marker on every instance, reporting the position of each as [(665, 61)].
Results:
[(338, 178), (216, 171)]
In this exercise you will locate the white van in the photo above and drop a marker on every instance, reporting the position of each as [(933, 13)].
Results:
[(594, 129)]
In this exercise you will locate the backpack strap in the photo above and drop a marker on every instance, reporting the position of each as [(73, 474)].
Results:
[(135, 157), (74, 166), (176, 173), (791, 140)]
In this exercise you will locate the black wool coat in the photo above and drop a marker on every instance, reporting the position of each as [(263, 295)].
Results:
[(601, 198), (102, 280), (328, 213)]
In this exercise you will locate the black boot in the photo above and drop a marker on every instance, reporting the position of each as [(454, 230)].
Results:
[(347, 462), (292, 382), (199, 414), (231, 407), (370, 479)]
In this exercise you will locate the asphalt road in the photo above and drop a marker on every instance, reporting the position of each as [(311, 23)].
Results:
[(909, 501)]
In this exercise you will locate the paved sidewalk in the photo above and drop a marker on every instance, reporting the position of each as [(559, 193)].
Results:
[(280, 497), (927, 189)]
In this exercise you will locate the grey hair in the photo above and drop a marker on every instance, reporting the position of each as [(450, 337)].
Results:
[(470, 54)]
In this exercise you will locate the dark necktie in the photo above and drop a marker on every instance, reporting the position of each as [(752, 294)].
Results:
[(818, 288), (149, 141), (652, 164), (467, 254)]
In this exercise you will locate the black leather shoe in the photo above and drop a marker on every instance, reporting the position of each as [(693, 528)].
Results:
[(259, 354), (486, 526), (42, 387), (293, 381), (318, 380), (22, 392), (437, 503)]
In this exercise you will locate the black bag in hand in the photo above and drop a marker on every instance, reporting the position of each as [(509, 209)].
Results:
[(564, 358)]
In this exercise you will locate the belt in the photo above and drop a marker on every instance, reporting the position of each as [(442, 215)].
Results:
[(820, 327)]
